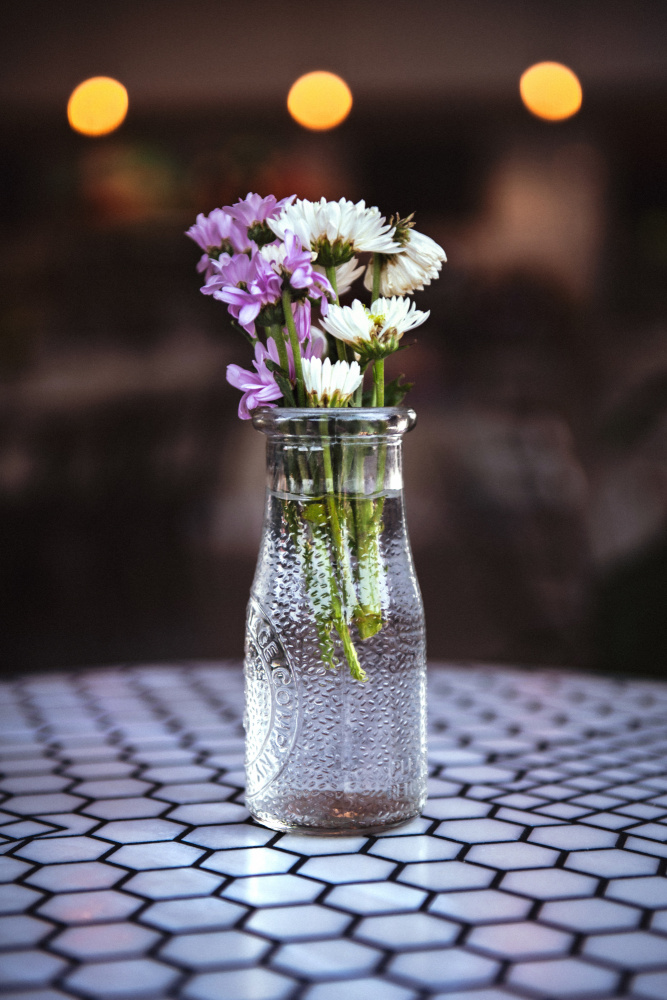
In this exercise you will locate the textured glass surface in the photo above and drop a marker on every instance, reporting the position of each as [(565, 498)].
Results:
[(326, 752)]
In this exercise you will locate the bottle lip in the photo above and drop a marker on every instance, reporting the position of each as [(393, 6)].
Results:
[(334, 422)]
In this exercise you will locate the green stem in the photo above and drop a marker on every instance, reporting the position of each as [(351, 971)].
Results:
[(343, 560), (296, 347), (377, 271), (331, 275), (340, 345), (276, 332), (378, 379), (358, 398)]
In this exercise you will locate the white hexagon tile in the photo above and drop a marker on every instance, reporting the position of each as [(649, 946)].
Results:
[(130, 868)]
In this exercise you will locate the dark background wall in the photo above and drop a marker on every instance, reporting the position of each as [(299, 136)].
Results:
[(130, 495)]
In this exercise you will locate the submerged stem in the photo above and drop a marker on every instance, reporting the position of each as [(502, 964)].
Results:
[(343, 560)]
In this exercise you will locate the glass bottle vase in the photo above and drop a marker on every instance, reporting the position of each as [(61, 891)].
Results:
[(335, 668)]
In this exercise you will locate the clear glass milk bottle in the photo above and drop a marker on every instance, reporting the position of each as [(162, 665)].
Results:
[(335, 668)]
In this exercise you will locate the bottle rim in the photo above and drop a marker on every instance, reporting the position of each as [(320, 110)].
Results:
[(363, 422)]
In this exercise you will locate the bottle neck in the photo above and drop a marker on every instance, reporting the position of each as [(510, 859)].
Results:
[(308, 467), (347, 452)]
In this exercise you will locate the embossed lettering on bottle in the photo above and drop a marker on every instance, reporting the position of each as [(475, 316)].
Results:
[(272, 702)]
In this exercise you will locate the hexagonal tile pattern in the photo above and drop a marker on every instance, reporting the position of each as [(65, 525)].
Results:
[(17, 898), (441, 969), (12, 868), (173, 883), (563, 977), (22, 931), (228, 837), (480, 906), (549, 883), (651, 986), (99, 941), (573, 838), (89, 907), (138, 807), (335, 959), (376, 897), (441, 875), (419, 848), (589, 915), (78, 875), (134, 977), (21, 969), (36, 805), (192, 914), (298, 923), (520, 940), (509, 857), (129, 870), (612, 863), (479, 831), (398, 934), (244, 984), (347, 868), (305, 845), (251, 861), (455, 808), (273, 890), (63, 849), (202, 791), (360, 989), (113, 788), (139, 831), (215, 950), (629, 949), (649, 892), (157, 855), (177, 773)]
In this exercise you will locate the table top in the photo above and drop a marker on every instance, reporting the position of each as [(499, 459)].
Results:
[(130, 867)]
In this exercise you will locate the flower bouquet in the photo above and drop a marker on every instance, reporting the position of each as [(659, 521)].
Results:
[(271, 263), (335, 662)]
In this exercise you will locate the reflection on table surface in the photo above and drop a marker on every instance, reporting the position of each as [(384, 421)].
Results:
[(130, 867)]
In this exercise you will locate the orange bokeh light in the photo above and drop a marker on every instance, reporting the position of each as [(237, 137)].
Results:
[(97, 106), (551, 90), (319, 100)]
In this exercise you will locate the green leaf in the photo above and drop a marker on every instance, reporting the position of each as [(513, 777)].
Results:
[(282, 381), (396, 391)]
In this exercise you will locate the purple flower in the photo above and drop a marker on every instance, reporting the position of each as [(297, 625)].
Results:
[(313, 341), (245, 304), (254, 209), (316, 345), (253, 212), (259, 387), (295, 265), (246, 285), (238, 270), (218, 235)]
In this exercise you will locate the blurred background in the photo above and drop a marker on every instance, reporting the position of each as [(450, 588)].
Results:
[(131, 496)]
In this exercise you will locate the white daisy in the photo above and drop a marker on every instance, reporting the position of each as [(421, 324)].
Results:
[(330, 385), (346, 274), (336, 230), (276, 253), (417, 263), (374, 332)]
